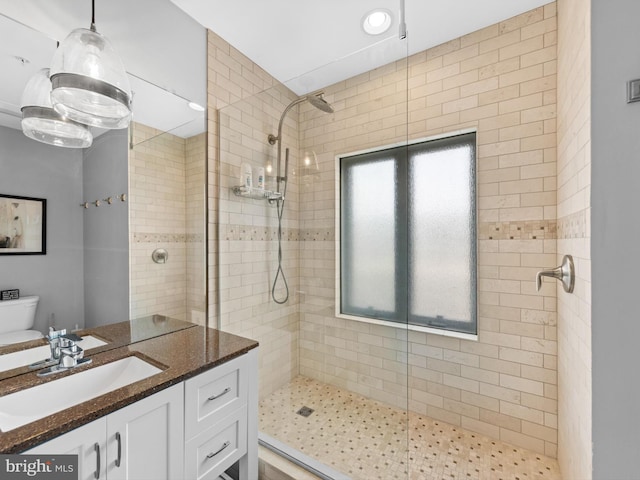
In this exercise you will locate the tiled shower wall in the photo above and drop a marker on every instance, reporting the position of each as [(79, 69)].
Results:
[(501, 81), (245, 106), (161, 166), (574, 235), (195, 156)]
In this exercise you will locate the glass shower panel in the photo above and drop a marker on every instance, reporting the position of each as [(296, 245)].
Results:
[(167, 200), (323, 379)]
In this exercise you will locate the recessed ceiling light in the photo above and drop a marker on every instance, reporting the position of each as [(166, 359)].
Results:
[(376, 21), (195, 106)]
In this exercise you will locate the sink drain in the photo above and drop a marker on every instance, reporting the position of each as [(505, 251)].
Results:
[(305, 411)]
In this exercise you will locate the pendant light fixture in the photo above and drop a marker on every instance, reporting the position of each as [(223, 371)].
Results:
[(90, 84), (42, 123)]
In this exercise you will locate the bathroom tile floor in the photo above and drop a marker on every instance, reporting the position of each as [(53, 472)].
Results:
[(368, 440)]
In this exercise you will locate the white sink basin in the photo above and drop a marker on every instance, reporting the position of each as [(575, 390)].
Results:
[(26, 406), (9, 361)]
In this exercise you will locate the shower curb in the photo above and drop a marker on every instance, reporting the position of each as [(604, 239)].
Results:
[(313, 466)]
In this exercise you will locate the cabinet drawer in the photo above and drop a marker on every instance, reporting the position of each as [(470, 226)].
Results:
[(212, 395), (210, 453)]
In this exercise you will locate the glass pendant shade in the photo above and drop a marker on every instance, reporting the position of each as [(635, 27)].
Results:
[(42, 123), (90, 84), (309, 168)]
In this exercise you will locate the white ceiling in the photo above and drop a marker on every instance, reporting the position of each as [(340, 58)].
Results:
[(163, 50), (309, 44), (306, 44)]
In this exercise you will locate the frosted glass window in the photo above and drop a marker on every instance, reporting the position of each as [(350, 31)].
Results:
[(368, 236), (442, 252), (408, 234)]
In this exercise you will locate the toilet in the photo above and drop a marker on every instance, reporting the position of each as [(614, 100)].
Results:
[(16, 319)]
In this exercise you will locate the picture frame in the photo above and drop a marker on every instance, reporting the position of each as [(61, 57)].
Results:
[(23, 222)]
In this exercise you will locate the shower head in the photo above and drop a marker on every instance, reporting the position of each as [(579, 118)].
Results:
[(320, 103), (314, 99)]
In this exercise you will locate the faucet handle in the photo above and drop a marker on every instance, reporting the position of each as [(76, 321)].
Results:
[(565, 273), (53, 333), (66, 342), (70, 355)]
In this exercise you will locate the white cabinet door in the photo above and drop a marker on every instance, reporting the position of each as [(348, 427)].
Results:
[(88, 442), (145, 440)]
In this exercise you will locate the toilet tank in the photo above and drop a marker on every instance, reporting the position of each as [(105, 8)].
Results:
[(18, 314)]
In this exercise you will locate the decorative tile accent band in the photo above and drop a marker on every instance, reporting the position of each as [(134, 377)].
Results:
[(573, 226), (248, 232), (312, 235), (167, 237), (525, 230)]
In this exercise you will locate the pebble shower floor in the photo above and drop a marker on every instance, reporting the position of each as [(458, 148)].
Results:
[(368, 440)]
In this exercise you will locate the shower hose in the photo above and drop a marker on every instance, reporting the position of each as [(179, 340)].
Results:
[(279, 271)]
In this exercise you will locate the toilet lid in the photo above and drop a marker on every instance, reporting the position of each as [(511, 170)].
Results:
[(19, 336)]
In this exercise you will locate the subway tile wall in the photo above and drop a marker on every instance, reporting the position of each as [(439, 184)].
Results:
[(574, 235), (161, 166), (501, 81), (195, 173), (245, 106)]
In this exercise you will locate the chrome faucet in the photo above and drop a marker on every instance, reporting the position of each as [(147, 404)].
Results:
[(65, 353), (70, 353), (54, 337)]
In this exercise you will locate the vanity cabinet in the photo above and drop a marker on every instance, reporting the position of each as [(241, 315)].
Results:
[(194, 430), (140, 441), (89, 442), (145, 439), (216, 407)]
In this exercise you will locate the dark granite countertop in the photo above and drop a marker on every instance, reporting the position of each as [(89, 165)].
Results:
[(181, 354), (115, 335)]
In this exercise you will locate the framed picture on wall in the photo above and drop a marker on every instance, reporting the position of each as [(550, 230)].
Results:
[(23, 222)]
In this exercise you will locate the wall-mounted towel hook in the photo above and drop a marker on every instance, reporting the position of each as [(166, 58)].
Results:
[(565, 273)]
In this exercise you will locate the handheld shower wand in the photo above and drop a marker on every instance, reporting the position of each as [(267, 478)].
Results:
[(280, 211), (321, 104)]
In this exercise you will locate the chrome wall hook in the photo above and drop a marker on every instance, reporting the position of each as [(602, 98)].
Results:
[(565, 273)]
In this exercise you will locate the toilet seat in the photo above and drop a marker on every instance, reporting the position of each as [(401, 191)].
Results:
[(19, 336)]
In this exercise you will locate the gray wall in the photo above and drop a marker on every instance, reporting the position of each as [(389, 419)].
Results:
[(32, 169), (106, 230), (615, 228)]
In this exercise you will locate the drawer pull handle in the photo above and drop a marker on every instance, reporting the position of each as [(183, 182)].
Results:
[(96, 447), (119, 440), (224, 392), (224, 445)]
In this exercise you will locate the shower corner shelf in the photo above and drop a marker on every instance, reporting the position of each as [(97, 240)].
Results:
[(256, 193)]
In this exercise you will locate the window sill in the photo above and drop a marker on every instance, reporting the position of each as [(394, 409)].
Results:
[(413, 328)]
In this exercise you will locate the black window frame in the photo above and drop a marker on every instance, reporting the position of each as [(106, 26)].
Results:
[(402, 156)]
